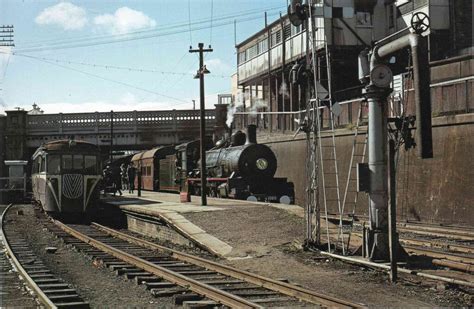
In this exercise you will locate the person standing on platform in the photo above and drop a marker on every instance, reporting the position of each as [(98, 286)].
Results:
[(117, 180), (131, 172), (123, 174)]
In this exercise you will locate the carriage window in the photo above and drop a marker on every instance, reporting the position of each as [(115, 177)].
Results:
[(90, 164), (148, 170), (67, 162), (54, 164), (78, 162)]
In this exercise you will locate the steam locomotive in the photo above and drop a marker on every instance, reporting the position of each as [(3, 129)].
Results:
[(238, 168)]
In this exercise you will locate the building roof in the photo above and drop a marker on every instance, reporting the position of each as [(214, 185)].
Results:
[(260, 32)]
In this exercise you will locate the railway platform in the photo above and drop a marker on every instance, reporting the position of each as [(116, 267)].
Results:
[(232, 229)]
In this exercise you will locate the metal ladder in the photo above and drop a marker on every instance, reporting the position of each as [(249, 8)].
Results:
[(351, 194), (328, 158), (319, 154)]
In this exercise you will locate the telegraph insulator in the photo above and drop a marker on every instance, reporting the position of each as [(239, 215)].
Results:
[(297, 12)]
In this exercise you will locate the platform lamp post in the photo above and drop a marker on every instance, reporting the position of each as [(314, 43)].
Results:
[(200, 74)]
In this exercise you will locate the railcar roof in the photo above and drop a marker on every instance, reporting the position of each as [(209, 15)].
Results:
[(67, 146)]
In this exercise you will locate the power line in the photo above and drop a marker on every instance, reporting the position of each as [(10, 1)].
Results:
[(212, 13), (87, 44), (107, 79), (108, 66), (38, 44), (189, 22)]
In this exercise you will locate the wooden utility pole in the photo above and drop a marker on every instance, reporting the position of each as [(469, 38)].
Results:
[(200, 74)]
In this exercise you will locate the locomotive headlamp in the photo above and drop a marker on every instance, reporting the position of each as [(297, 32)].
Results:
[(262, 164)]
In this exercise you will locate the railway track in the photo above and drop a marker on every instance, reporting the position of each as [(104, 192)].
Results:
[(443, 253), (190, 279), (51, 291)]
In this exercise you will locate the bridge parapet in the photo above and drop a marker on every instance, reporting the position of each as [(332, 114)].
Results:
[(130, 121)]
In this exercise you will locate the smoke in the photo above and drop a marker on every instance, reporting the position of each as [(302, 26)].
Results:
[(258, 105), (284, 90), (234, 107)]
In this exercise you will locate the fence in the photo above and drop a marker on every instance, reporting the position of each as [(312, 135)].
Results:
[(13, 184)]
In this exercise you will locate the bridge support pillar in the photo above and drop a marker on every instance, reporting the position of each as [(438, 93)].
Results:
[(15, 135)]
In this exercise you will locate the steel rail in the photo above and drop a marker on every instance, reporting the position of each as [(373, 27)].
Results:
[(213, 293), (432, 244), (28, 280), (440, 254), (437, 244), (278, 286)]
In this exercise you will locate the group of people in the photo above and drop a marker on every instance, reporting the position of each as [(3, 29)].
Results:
[(116, 178)]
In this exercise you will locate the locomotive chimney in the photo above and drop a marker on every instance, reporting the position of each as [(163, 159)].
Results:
[(251, 134)]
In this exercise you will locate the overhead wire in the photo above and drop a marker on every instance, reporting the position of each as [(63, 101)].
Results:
[(127, 39), (189, 23), (108, 66), (212, 13), (107, 79), (142, 34)]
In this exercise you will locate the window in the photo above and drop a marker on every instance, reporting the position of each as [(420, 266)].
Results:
[(67, 162), (295, 29), (364, 19), (252, 52), (276, 38), (78, 162), (90, 165), (148, 170), (263, 46), (287, 31), (242, 57), (54, 164)]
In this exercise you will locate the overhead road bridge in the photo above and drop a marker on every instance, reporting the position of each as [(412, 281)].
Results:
[(21, 132)]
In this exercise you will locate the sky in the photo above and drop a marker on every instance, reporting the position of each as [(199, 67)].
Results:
[(86, 56)]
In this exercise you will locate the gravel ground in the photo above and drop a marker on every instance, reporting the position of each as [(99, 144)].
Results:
[(270, 227), (268, 235), (12, 290), (99, 286)]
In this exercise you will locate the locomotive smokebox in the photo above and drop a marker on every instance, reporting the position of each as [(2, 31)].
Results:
[(251, 134)]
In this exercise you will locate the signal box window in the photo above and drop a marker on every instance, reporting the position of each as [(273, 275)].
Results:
[(54, 164)]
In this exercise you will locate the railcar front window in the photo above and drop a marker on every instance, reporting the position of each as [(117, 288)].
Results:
[(67, 162), (78, 162), (54, 164), (90, 164)]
